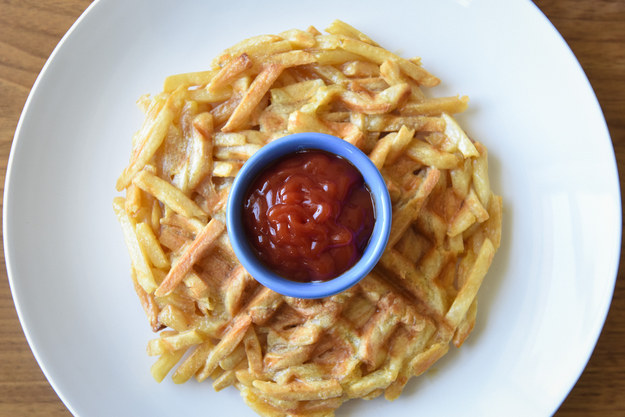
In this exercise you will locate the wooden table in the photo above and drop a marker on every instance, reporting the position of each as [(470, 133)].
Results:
[(29, 31)]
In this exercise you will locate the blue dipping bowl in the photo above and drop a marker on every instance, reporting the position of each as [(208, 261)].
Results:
[(262, 159)]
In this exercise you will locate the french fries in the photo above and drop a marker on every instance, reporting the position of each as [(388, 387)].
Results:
[(292, 356)]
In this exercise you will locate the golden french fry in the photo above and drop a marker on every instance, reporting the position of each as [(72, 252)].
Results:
[(139, 260), (229, 139), (480, 176), (398, 144), (252, 97), (291, 59), (360, 69), (392, 123), (300, 391), (426, 154), (241, 152), (300, 39), (468, 292), (409, 211), (382, 148), (203, 242), (383, 102), (379, 55), (229, 72), (456, 135), (169, 195), (437, 106), (255, 47), (174, 318), (148, 303), (333, 56), (390, 72), (296, 92), (338, 27), (150, 246), (188, 79), (152, 136), (226, 168), (193, 363), (164, 364), (225, 346)]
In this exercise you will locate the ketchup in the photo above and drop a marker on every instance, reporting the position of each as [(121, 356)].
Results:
[(309, 216)]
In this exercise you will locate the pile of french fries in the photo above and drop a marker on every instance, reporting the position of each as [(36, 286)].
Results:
[(288, 356)]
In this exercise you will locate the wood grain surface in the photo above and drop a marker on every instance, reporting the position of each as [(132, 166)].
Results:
[(29, 31)]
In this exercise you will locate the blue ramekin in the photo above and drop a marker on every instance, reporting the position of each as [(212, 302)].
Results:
[(264, 157)]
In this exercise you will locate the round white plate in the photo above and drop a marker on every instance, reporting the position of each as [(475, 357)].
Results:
[(542, 305)]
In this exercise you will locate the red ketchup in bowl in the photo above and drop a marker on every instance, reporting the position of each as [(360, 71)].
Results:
[(309, 216)]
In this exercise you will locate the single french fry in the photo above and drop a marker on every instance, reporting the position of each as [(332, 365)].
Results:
[(174, 343), (204, 96), (390, 147), (229, 139), (252, 97), (226, 168), (429, 295), (465, 327), (169, 195), (334, 57), (436, 106), (150, 245), (291, 59), (408, 212), (148, 303), (241, 152), (203, 242), (360, 69), (296, 92), (338, 27), (200, 149), (461, 178), (382, 148), (300, 39), (381, 378), (426, 154), (193, 363), (239, 279), (398, 144), (390, 72), (481, 182), (298, 391), (255, 47), (229, 72), (383, 102), (188, 79), (379, 55), (456, 135), (425, 360), (225, 380), (226, 346), (390, 123), (463, 219), (165, 363), (253, 351), (468, 292), (174, 318), (154, 132), (231, 361), (138, 259)]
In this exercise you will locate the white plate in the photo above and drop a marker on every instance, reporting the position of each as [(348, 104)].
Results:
[(542, 305)]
